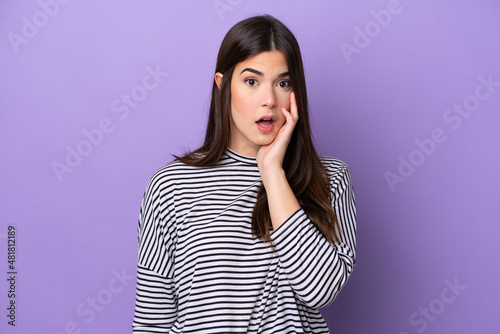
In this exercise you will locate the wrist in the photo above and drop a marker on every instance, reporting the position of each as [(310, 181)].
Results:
[(272, 176), (280, 197)]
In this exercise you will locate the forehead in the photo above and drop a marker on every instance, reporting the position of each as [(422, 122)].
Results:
[(268, 61)]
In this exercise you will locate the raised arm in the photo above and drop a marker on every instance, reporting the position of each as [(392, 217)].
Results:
[(316, 269)]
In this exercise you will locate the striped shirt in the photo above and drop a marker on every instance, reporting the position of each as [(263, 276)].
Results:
[(200, 270)]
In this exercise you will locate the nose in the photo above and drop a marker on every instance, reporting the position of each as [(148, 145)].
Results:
[(269, 97)]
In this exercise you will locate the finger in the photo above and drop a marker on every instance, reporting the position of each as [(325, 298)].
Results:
[(292, 116), (289, 125), (288, 116), (293, 107)]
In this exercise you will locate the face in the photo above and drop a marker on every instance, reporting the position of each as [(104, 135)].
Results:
[(260, 88)]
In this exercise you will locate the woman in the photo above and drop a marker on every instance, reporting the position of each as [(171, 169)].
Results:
[(252, 232)]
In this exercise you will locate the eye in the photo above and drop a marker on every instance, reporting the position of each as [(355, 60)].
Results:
[(285, 84), (251, 82)]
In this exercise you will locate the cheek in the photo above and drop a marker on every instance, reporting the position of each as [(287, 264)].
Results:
[(283, 102), (283, 99), (241, 103)]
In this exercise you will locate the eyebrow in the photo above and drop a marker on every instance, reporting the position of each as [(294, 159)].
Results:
[(284, 74)]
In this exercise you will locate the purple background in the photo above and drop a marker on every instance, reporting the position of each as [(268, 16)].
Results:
[(65, 67)]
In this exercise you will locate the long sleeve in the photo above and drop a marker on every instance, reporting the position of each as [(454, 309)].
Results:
[(200, 269), (156, 300), (316, 269)]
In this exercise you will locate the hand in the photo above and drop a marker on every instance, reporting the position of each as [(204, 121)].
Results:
[(270, 157)]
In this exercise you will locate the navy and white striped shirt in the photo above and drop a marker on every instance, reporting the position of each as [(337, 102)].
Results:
[(200, 270)]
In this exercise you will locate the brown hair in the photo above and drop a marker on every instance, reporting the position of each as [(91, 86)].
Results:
[(304, 171)]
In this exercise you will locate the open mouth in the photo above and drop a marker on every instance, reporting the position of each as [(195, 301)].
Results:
[(265, 122)]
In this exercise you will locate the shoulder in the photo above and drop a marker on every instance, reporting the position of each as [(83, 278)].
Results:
[(170, 174), (172, 169), (333, 166), (176, 173), (336, 170)]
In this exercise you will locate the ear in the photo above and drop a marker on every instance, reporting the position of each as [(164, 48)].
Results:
[(218, 79)]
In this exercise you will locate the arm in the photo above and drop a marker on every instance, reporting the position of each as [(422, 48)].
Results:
[(156, 299), (281, 199), (316, 269), (155, 303)]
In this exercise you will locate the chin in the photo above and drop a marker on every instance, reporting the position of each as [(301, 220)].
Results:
[(266, 141)]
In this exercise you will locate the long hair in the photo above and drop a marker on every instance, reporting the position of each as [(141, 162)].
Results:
[(303, 168)]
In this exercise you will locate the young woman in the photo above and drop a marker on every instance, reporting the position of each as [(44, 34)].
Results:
[(252, 232)]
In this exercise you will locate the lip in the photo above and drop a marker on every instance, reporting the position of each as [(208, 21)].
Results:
[(267, 117), (266, 128)]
